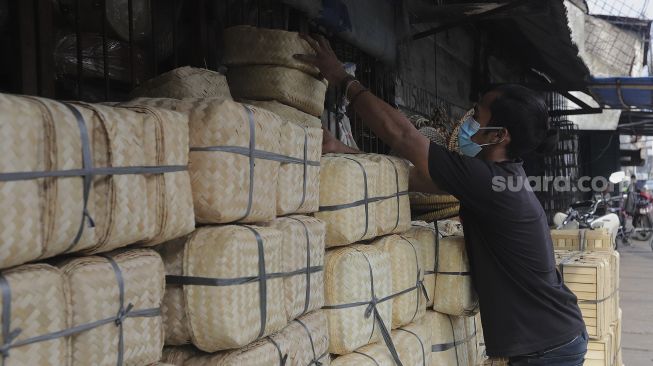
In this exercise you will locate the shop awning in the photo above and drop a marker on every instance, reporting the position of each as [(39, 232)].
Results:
[(623, 93)]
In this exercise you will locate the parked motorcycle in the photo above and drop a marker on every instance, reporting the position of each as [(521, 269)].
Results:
[(643, 218), (591, 214)]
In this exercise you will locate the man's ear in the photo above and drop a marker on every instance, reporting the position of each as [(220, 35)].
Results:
[(502, 136)]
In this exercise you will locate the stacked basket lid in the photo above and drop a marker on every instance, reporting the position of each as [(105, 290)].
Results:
[(247, 288)]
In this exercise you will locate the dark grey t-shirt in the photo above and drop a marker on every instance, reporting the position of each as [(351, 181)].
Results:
[(525, 307)]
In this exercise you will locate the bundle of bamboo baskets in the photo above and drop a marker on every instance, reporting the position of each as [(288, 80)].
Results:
[(89, 178), (262, 67)]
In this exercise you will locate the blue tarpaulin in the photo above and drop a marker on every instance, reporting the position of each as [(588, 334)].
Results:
[(623, 93)]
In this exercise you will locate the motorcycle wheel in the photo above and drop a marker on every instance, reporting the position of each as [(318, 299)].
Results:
[(642, 222)]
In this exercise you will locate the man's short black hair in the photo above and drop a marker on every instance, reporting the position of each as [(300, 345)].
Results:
[(524, 113)]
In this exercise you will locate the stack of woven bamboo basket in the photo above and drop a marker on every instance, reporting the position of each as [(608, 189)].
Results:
[(79, 181), (382, 273), (590, 268)]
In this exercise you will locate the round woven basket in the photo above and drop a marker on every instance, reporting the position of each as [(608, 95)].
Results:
[(347, 281), (230, 316), (342, 182), (454, 293), (221, 179), (287, 113), (406, 269), (185, 82), (300, 252), (247, 45), (288, 86)]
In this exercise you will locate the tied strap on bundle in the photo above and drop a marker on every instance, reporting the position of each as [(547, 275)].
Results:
[(254, 153), (419, 282), (372, 310), (88, 171), (398, 194), (307, 299), (420, 343), (10, 336), (316, 359), (447, 346), (261, 278), (283, 357)]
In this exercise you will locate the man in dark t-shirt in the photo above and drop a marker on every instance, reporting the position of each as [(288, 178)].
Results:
[(528, 314)]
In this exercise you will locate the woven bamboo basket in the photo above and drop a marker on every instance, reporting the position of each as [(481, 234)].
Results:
[(247, 45), (288, 86), (299, 184), (348, 280), (412, 343), (453, 339), (347, 181), (142, 207), (44, 214), (185, 82), (126, 206), (594, 279), (423, 237), (302, 254), (409, 303), (454, 293), (96, 295), (303, 342), (220, 301), (287, 113), (221, 179), (39, 305), (169, 195), (393, 211)]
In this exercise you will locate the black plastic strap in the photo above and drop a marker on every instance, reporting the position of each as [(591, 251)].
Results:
[(454, 273), (283, 358), (420, 343), (218, 282), (263, 283), (305, 165), (308, 266), (419, 283), (372, 310), (87, 163), (9, 336), (594, 302), (398, 196), (316, 360), (368, 356), (257, 154), (361, 202)]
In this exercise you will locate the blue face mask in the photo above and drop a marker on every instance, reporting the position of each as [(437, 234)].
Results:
[(468, 129)]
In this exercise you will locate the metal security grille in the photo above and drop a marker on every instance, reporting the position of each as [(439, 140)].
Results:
[(100, 50), (563, 163)]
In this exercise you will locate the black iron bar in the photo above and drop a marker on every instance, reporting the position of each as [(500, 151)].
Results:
[(105, 50), (78, 41), (130, 17)]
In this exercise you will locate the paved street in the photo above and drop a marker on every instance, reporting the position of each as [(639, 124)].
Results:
[(637, 304)]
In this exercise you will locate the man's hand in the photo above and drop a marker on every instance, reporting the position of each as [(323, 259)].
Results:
[(324, 59)]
